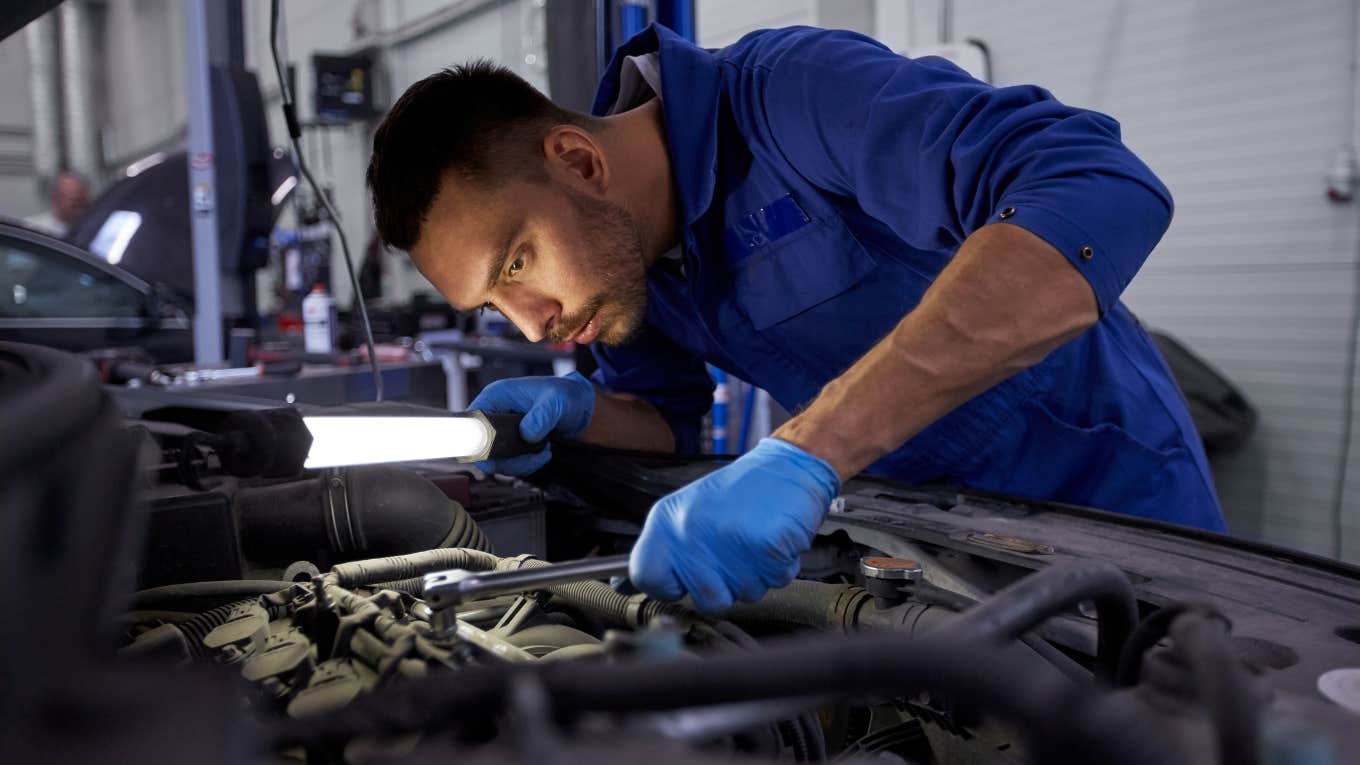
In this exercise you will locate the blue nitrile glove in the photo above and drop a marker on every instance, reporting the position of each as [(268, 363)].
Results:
[(558, 406), (736, 532)]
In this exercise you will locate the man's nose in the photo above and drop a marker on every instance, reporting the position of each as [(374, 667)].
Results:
[(532, 313)]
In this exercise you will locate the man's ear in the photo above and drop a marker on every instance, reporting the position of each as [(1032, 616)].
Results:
[(574, 156)]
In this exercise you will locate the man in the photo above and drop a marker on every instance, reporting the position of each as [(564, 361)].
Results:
[(70, 198), (925, 268)]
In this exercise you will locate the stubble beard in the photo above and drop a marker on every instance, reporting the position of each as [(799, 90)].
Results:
[(617, 266)]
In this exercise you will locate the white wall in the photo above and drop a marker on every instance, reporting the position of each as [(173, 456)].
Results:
[(19, 194), (416, 38), (1240, 106), (145, 87)]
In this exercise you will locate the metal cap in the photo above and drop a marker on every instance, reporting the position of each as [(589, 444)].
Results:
[(898, 569)]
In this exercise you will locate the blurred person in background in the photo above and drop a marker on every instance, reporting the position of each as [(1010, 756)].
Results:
[(68, 202)]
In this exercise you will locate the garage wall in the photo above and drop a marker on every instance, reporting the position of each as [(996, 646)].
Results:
[(144, 89), (1240, 106), (19, 194), (414, 39)]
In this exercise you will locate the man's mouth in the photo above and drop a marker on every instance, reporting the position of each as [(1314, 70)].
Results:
[(588, 331)]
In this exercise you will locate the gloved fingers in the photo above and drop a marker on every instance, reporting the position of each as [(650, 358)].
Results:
[(705, 587), (512, 395), (786, 575), (748, 589), (649, 565), (541, 418), (791, 542), (522, 465)]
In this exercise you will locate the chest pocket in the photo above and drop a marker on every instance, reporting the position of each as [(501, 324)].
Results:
[(786, 260)]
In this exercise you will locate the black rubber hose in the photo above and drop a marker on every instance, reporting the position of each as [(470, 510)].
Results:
[(1147, 634), (796, 737), (1232, 697), (1024, 605), (359, 512), (813, 735), (199, 626), (954, 601), (838, 607), (181, 597), (810, 604), (1062, 721)]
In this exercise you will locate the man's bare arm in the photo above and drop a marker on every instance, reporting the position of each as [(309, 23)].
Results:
[(1006, 301), (627, 422)]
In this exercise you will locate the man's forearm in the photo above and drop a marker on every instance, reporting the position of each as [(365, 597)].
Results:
[(1006, 301), (627, 422)]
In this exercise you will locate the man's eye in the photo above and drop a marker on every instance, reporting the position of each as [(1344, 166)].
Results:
[(516, 267)]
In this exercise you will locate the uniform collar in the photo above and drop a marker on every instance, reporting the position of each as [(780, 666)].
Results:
[(689, 82)]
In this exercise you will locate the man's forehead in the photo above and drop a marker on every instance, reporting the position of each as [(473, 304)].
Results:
[(465, 230)]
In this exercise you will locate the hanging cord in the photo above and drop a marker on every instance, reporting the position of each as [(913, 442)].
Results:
[(294, 134), (1348, 404)]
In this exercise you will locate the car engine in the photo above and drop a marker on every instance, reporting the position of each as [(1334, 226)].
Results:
[(159, 608)]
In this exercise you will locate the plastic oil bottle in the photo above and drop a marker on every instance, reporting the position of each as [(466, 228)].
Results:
[(319, 321)]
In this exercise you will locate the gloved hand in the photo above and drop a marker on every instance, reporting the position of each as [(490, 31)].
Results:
[(736, 532), (559, 406)]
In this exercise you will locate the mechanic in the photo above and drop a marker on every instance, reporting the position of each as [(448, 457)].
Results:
[(927, 269), (69, 199)]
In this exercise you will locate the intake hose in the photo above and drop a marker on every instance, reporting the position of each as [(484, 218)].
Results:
[(808, 604), (193, 595), (849, 608), (1061, 721), (1234, 701), (1025, 604), (351, 513)]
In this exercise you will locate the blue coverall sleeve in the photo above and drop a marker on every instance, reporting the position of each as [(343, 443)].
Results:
[(935, 154), (655, 369)]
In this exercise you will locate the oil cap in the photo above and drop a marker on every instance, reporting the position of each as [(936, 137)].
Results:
[(892, 569), (890, 580)]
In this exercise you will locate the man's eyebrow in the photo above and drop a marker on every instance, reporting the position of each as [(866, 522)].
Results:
[(494, 272), (497, 263)]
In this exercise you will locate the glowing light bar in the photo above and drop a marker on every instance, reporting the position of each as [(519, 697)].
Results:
[(364, 440)]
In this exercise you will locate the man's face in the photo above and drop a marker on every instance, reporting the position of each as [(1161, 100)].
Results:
[(70, 199), (562, 265)]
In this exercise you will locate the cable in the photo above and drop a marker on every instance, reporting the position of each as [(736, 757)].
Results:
[(1028, 602), (1062, 721), (1224, 686), (1147, 634), (1348, 404), (294, 136), (929, 593)]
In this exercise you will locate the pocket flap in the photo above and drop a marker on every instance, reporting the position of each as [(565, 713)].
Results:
[(816, 262)]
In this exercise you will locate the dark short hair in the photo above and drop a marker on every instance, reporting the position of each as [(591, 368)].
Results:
[(478, 120)]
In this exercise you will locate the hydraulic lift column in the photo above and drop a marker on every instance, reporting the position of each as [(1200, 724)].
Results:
[(214, 39)]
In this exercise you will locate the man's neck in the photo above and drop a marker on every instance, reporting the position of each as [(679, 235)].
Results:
[(643, 182)]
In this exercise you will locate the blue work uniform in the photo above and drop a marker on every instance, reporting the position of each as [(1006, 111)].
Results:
[(823, 183)]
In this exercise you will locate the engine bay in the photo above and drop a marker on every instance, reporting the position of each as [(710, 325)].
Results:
[(163, 610)]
